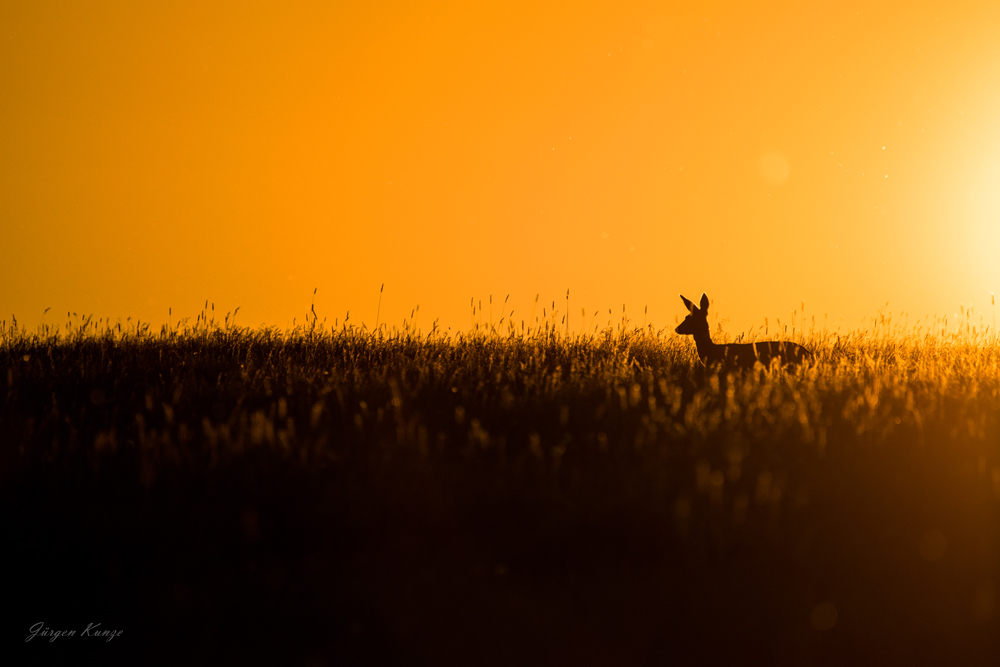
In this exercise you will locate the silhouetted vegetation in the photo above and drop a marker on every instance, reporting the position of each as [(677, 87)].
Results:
[(337, 496)]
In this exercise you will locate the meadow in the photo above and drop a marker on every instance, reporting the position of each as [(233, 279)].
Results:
[(333, 495)]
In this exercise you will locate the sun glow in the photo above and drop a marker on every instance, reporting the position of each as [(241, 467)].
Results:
[(981, 236), (158, 156)]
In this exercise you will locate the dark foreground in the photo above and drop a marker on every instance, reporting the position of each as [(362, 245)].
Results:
[(242, 498)]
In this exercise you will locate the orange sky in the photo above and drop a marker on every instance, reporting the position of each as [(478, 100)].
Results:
[(154, 155)]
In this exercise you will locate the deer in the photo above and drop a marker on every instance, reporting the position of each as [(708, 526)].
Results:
[(735, 355)]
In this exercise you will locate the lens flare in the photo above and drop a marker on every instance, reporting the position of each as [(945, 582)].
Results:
[(773, 167)]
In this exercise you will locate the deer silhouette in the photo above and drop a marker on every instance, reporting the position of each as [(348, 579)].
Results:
[(735, 355)]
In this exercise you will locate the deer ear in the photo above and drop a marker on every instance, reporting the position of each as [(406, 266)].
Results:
[(688, 304), (704, 302)]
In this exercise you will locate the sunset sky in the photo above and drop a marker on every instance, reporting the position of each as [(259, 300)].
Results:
[(158, 154)]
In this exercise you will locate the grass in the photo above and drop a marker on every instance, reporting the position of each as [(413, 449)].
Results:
[(332, 495)]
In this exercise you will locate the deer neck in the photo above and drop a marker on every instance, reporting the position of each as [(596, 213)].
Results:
[(703, 342)]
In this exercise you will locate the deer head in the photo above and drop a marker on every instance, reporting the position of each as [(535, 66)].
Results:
[(697, 319)]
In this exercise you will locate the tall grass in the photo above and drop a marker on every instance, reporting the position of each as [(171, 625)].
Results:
[(520, 456)]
